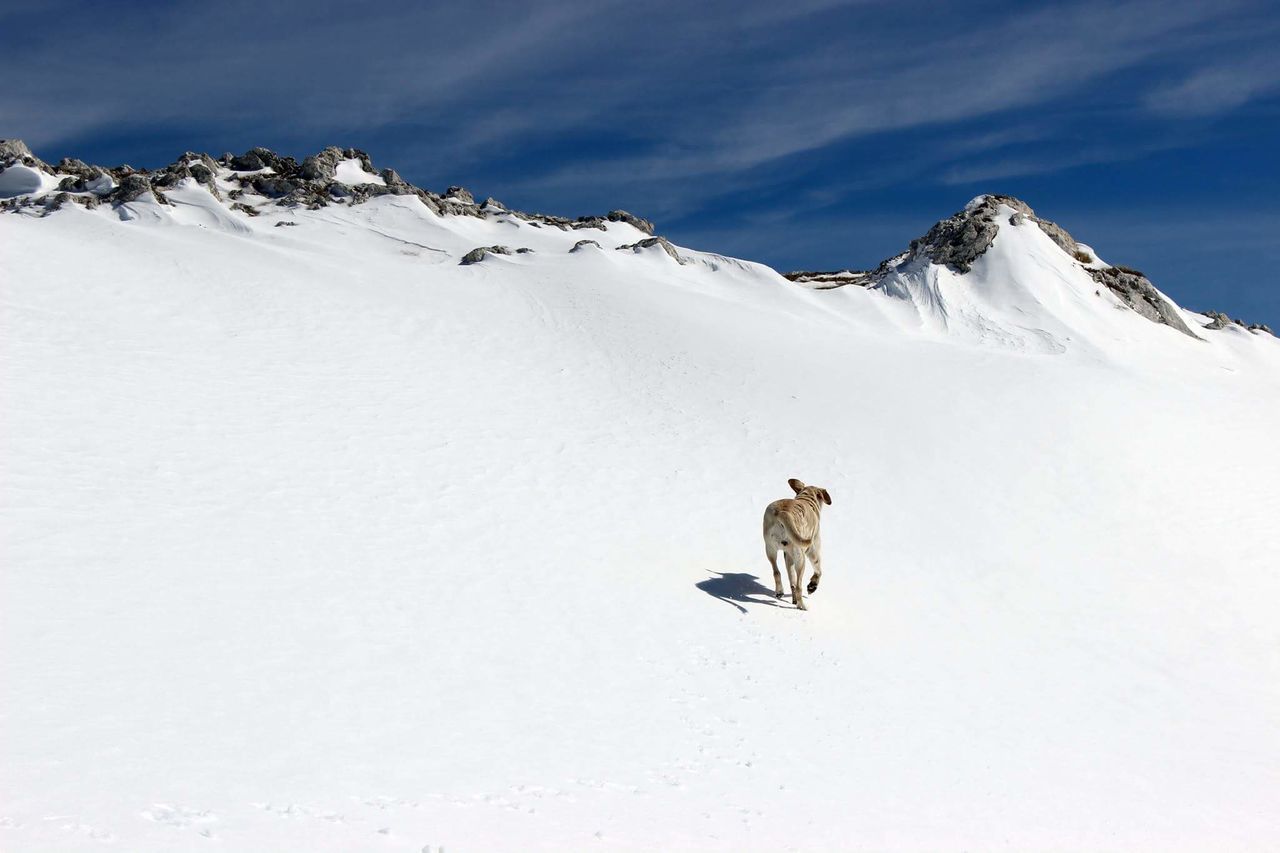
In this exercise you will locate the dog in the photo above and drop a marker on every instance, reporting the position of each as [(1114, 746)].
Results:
[(791, 525)]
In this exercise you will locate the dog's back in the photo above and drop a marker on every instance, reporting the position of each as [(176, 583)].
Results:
[(791, 521)]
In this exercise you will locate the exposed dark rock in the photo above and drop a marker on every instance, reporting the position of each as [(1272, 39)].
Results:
[(962, 238), (622, 216), (15, 150), (310, 184), (581, 244), (264, 158), (1137, 291), (55, 201), (131, 188), (248, 162), (322, 166), (1065, 241), (79, 168), (285, 222), (650, 242), (274, 186), (478, 254), (959, 240), (830, 280), (1218, 320), (246, 209), (459, 195)]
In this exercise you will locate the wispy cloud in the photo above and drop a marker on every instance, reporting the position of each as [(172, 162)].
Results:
[(1220, 88)]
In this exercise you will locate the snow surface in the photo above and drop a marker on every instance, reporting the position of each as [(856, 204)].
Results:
[(18, 180), (316, 540), (351, 172)]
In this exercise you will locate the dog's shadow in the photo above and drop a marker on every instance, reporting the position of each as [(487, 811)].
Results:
[(737, 589)]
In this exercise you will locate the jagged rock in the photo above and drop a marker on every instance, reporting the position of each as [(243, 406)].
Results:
[(273, 186), (91, 180), (55, 201), (650, 242), (188, 166), (15, 150), (524, 250), (622, 216), (1219, 320), (322, 166), (1136, 291), (478, 254), (459, 195), (131, 188), (830, 280), (581, 244), (288, 183), (246, 209), (285, 222), (249, 162), (264, 158), (1059, 235), (78, 168), (959, 240)]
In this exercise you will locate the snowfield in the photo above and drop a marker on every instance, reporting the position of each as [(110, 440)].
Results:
[(316, 540)]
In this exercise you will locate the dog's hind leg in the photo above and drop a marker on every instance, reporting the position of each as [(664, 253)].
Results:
[(795, 573), (815, 557), (772, 553)]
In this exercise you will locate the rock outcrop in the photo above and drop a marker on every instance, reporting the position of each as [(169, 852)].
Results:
[(277, 179), (651, 242), (829, 280), (479, 253), (1137, 291), (959, 240), (14, 150)]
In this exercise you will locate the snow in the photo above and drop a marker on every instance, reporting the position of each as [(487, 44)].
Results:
[(316, 540), (351, 172), (18, 180)]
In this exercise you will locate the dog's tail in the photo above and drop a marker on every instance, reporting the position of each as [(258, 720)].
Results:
[(789, 524)]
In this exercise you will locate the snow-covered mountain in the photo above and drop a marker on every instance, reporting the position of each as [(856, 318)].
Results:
[(339, 514)]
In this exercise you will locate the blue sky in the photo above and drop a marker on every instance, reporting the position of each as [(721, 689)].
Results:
[(806, 134)]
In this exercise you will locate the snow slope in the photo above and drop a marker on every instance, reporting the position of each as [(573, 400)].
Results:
[(318, 540)]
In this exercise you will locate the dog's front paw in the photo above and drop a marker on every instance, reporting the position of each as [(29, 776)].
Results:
[(778, 594)]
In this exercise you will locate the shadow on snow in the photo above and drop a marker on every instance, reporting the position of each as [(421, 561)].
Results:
[(738, 588)]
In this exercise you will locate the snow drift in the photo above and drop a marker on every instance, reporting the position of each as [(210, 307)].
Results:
[(319, 539)]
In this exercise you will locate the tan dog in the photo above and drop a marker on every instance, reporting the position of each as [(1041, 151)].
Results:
[(791, 524)]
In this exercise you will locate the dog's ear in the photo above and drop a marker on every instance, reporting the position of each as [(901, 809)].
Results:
[(826, 496), (796, 484)]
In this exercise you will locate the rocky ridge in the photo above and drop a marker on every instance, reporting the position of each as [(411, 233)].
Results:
[(960, 239), (282, 180)]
